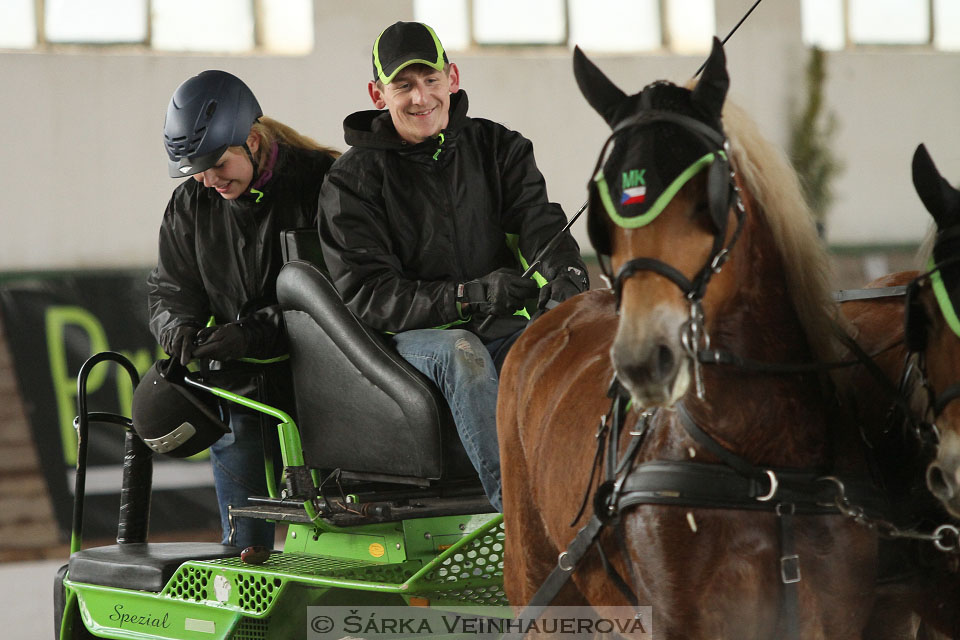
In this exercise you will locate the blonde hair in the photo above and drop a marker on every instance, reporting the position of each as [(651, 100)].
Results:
[(270, 131), (925, 250), (770, 178)]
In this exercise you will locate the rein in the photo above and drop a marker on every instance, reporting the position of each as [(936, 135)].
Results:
[(734, 483)]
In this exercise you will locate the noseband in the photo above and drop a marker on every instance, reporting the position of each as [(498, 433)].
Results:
[(722, 193)]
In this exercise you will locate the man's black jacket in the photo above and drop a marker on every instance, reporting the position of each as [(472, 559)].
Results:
[(402, 225)]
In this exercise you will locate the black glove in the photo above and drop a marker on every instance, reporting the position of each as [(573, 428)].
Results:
[(498, 293), (562, 283), (178, 342), (223, 342)]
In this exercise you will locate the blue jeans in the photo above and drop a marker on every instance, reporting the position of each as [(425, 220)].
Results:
[(238, 473), (465, 371)]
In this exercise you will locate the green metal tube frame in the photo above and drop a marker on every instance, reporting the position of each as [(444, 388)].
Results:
[(291, 448)]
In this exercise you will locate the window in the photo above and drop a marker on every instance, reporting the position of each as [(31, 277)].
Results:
[(685, 26), (222, 26), (18, 28), (837, 24), (69, 21)]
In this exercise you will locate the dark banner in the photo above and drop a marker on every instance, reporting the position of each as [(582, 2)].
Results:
[(53, 323)]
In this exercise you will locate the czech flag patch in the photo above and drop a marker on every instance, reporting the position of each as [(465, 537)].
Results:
[(633, 195)]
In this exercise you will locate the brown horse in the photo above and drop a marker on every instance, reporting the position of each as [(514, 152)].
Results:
[(916, 440), (673, 200)]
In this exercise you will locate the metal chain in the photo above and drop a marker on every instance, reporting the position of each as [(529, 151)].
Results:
[(945, 538)]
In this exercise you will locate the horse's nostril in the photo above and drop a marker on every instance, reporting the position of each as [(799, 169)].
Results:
[(665, 362), (939, 483)]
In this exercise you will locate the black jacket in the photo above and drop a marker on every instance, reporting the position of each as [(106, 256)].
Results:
[(401, 224), (220, 257)]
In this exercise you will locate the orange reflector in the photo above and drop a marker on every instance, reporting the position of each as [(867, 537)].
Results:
[(443, 547), (419, 602)]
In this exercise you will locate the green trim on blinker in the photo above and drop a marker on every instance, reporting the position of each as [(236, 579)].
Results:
[(943, 299), (661, 203)]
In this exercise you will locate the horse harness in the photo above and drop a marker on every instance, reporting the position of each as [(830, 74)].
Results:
[(915, 342), (735, 483)]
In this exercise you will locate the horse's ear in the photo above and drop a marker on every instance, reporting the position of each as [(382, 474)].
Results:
[(938, 196), (604, 96), (711, 91)]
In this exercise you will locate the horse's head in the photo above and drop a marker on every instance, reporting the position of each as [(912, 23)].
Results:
[(933, 328), (662, 198)]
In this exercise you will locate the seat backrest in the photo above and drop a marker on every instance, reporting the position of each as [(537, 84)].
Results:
[(302, 244), (361, 407)]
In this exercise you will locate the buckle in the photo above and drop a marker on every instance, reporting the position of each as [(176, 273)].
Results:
[(790, 569)]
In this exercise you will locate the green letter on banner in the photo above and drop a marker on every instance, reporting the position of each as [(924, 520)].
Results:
[(64, 381)]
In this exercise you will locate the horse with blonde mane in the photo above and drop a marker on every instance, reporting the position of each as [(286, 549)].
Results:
[(714, 471)]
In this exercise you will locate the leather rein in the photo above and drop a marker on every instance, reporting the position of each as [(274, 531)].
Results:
[(735, 483)]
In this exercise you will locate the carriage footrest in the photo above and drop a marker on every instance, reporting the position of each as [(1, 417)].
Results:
[(141, 566), (366, 512)]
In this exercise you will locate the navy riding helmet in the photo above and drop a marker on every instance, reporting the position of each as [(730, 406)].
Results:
[(207, 113)]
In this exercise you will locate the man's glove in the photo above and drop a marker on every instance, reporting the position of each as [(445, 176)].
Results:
[(562, 283), (178, 342), (223, 342), (499, 293)]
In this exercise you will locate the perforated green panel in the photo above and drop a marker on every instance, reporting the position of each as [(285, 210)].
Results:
[(492, 595), (256, 592), (472, 575), (189, 583), (304, 564), (251, 629)]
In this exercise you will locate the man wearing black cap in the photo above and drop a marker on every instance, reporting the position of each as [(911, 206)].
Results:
[(427, 223)]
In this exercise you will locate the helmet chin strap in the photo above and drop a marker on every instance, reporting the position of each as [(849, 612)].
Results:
[(253, 163)]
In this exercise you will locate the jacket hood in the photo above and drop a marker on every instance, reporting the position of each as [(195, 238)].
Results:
[(373, 128)]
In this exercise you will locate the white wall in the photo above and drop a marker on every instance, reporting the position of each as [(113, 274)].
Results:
[(83, 176), (887, 102)]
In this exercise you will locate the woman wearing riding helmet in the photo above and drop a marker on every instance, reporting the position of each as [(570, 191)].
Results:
[(212, 295)]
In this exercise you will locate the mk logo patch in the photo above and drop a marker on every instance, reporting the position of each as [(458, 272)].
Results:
[(633, 178)]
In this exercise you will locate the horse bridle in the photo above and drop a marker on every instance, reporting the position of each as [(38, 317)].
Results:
[(916, 338), (754, 487), (722, 193)]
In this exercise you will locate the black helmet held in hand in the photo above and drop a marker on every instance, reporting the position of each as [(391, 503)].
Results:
[(207, 113), (169, 417)]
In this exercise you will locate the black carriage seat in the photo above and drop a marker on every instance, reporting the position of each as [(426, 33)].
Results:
[(145, 566), (361, 407)]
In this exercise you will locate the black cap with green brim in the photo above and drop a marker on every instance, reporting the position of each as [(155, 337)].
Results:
[(405, 43)]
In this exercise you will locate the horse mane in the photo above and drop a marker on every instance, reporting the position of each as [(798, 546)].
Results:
[(772, 181), (925, 250)]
